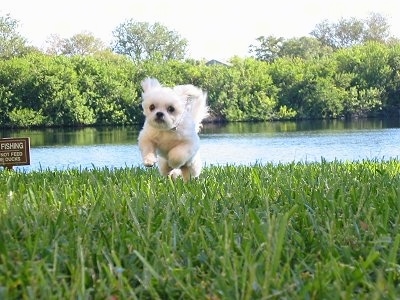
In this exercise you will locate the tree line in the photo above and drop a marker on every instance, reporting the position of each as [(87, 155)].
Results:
[(48, 90), (71, 85)]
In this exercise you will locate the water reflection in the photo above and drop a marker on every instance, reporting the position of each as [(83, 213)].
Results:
[(296, 126), (76, 137), (232, 143)]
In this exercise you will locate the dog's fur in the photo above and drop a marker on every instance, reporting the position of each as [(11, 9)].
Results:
[(170, 132)]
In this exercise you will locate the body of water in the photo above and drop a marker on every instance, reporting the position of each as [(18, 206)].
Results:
[(236, 143)]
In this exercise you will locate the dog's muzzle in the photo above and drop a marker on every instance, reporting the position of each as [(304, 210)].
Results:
[(160, 115)]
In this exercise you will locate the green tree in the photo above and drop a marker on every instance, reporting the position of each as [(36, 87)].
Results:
[(377, 29), (322, 98), (55, 91), (12, 44), (352, 31), (105, 82), (84, 43), (372, 71), (392, 106), (270, 48), (143, 41), (345, 33), (369, 63), (304, 47), (267, 48), (288, 75)]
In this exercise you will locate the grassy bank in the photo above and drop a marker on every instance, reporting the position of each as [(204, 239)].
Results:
[(324, 230)]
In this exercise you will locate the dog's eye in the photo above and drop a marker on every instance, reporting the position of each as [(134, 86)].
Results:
[(152, 107), (171, 109)]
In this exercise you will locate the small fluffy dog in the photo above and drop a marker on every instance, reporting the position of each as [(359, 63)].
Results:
[(170, 132)]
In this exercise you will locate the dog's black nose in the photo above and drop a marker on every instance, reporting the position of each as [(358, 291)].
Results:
[(159, 114)]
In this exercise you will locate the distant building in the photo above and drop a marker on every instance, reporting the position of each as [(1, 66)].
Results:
[(218, 62)]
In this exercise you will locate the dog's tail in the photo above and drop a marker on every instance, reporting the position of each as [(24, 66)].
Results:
[(196, 102), (200, 110)]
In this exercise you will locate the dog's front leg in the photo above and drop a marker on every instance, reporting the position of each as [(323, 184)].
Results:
[(148, 151)]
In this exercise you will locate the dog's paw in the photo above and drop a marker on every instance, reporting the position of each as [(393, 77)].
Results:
[(175, 173), (150, 160)]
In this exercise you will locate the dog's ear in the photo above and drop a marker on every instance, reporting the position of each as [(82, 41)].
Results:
[(149, 83)]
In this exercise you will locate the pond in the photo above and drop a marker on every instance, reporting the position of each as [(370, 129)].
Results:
[(221, 144)]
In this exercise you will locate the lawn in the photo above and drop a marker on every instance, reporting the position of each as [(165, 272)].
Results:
[(326, 230)]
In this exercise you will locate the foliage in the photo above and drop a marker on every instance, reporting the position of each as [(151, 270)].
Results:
[(325, 38), (349, 68), (344, 34), (62, 91), (25, 117), (242, 92), (84, 43), (392, 88), (291, 231), (370, 63), (105, 82), (271, 48), (351, 32), (104, 88), (304, 47), (268, 48), (11, 42), (142, 41)]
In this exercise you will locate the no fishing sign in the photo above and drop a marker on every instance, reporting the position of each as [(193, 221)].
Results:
[(14, 152)]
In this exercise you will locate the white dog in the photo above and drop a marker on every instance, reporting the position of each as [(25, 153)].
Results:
[(170, 132)]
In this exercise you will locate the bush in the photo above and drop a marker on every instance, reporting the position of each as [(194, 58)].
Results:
[(105, 89), (26, 117)]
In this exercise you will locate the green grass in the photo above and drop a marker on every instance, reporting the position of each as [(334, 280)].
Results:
[(327, 230)]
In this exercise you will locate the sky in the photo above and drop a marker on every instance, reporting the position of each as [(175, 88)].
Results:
[(214, 29)]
